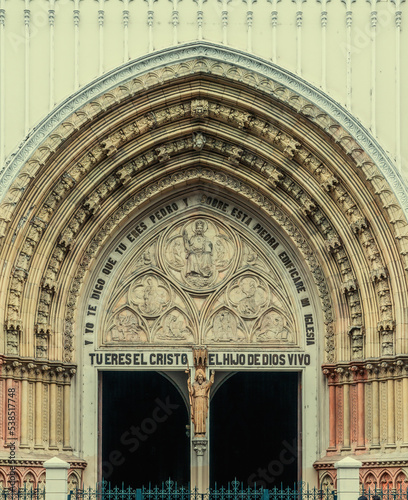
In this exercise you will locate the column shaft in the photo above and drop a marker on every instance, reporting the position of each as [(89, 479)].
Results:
[(24, 414), (66, 417), (346, 416), (405, 409), (53, 416), (390, 413), (38, 441), (360, 416), (375, 415), (332, 416)]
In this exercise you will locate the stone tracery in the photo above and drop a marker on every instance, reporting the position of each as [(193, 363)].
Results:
[(157, 302)]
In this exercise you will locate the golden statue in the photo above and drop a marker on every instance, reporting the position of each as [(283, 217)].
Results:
[(199, 395)]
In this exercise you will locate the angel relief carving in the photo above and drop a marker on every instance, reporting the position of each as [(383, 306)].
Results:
[(174, 327), (126, 326), (272, 327), (150, 295), (225, 327), (248, 294), (199, 252)]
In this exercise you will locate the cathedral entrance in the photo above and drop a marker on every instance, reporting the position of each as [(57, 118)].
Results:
[(143, 430), (179, 304), (254, 420)]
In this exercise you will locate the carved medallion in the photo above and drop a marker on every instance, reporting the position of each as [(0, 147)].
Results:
[(150, 295), (273, 326), (249, 295), (199, 253)]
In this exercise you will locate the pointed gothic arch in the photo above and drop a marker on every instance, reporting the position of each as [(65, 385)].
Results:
[(191, 117)]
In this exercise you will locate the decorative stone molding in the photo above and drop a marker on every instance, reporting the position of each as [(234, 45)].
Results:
[(233, 56), (367, 370), (152, 120), (356, 334)]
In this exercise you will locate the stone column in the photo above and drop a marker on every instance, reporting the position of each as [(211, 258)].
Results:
[(56, 479), (38, 438), (405, 410), (346, 416), (375, 415), (66, 425), (53, 415), (200, 448), (24, 414), (348, 478), (331, 378), (390, 414), (360, 416)]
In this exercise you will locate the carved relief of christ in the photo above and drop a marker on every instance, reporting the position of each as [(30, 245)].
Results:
[(199, 250)]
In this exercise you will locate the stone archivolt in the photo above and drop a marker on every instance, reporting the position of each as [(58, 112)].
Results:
[(270, 134), (261, 141)]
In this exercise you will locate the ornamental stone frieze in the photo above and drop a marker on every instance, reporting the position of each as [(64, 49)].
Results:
[(67, 237), (375, 474), (36, 370)]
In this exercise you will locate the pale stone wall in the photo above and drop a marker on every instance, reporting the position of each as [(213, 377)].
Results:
[(352, 50)]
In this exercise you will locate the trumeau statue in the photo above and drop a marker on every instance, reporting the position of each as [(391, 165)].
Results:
[(199, 395)]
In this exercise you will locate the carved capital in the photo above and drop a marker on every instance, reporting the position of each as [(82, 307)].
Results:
[(200, 446), (162, 153), (379, 274), (349, 286), (199, 141), (359, 225)]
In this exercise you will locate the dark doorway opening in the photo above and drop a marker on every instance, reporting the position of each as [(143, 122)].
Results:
[(143, 426), (254, 430)]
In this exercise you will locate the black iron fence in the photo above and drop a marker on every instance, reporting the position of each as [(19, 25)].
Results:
[(387, 493), (172, 491)]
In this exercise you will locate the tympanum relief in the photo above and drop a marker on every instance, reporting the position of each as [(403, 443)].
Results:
[(199, 254), (198, 281), (126, 326), (150, 295)]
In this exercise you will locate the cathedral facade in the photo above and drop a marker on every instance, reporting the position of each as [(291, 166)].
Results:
[(214, 188)]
